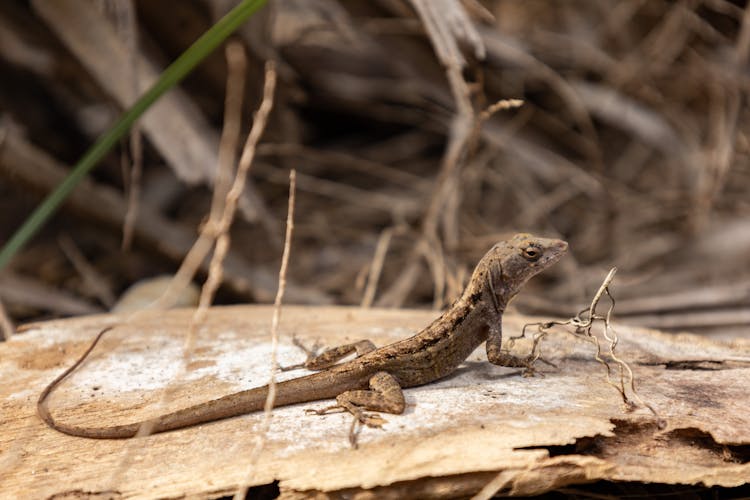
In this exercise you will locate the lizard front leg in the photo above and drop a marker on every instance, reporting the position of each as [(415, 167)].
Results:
[(495, 354), (384, 395)]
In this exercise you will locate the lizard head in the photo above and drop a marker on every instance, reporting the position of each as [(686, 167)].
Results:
[(511, 263)]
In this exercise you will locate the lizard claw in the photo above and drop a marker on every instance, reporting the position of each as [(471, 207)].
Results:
[(372, 420), (325, 411), (359, 419), (311, 352)]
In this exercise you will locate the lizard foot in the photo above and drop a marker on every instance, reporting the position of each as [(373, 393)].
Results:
[(369, 419), (310, 352), (531, 370), (359, 419), (326, 410)]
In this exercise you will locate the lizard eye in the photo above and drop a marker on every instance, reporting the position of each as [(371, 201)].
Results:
[(531, 254)]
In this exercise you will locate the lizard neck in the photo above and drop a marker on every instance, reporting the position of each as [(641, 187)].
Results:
[(488, 285), (438, 349)]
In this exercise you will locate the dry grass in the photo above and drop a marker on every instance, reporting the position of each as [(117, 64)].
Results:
[(631, 143)]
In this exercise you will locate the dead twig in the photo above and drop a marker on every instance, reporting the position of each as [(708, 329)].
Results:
[(582, 325), (126, 22), (174, 125), (93, 281), (343, 161), (376, 267), (398, 207), (501, 105), (271, 397), (27, 166), (7, 329), (235, 86), (446, 24), (219, 230), (248, 154), (31, 292)]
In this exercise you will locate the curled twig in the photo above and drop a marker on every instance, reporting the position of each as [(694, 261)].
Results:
[(582, 326)]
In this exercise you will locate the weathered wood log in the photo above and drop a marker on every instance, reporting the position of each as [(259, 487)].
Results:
[(482, 424)]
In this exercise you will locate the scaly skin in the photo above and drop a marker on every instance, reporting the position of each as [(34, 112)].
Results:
[(373, 381)]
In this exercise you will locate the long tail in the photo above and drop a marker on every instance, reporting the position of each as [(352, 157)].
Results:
[(313, 387)]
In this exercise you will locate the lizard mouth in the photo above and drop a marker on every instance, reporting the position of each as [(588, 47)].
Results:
[(558, 249), (561, 246)]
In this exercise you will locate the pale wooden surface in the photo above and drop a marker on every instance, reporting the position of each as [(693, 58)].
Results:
[(455, 436)]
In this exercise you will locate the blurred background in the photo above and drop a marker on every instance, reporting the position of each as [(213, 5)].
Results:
[(631, 143)]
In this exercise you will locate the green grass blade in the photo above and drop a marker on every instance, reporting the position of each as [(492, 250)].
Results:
[(172, 75)]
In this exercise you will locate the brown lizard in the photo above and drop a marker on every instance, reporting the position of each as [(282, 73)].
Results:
[(375, 378)]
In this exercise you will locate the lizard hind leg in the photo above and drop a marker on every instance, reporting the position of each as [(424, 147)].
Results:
[(384, 395), (331, 356)]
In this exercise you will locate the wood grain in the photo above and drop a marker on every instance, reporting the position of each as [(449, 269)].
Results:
[(455, 436)]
